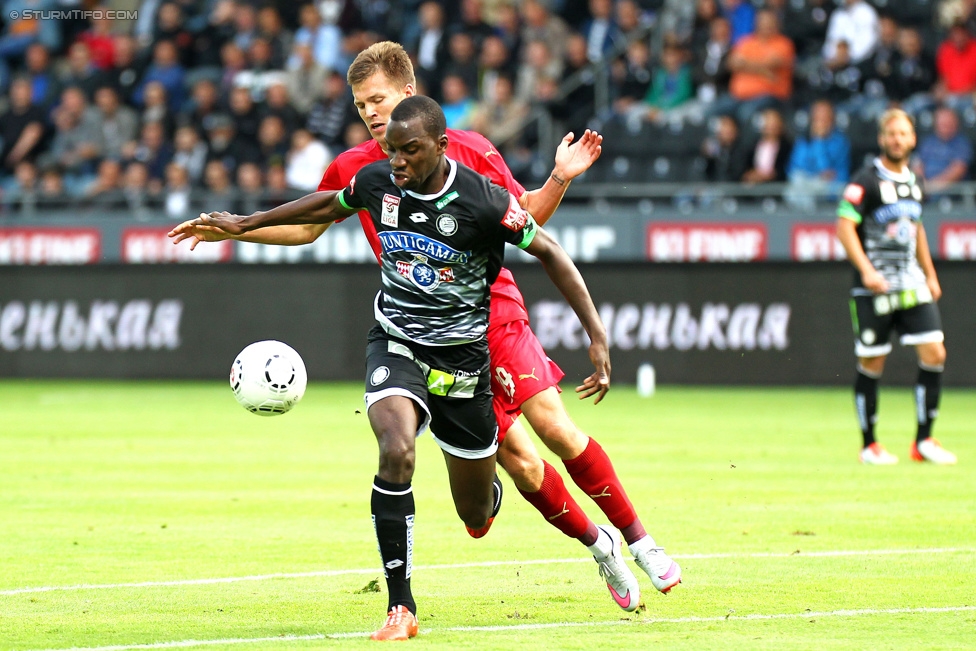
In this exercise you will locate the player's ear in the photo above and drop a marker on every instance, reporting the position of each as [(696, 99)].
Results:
[(442, 142), (409, 90)]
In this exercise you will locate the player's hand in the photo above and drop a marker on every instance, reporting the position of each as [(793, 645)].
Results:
[(189, 230), (873, 280), (934, 287), (574, 158), (599, 382), (222, 221)]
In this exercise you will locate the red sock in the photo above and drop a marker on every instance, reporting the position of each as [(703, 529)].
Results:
[(593, 472), (559, 508)]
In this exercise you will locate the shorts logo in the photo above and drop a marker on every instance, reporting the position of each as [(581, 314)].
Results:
[(854, 193), (391, 211), (446, 225), (868, 337), (379, 376)]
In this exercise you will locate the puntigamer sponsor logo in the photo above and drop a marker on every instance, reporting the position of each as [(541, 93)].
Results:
[(102, 325), (394, 241), (662, 326)]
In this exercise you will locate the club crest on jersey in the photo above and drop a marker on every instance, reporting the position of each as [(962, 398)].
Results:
[(391, 211), (422, 274), (446, 225)]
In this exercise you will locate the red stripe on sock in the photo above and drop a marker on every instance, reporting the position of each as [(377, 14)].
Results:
[(593, 472), (558, 507)]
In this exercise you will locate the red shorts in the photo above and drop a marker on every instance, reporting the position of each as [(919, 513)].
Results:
[(519, 370)]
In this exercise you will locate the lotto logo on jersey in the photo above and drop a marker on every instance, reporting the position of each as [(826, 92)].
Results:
[(391, 211), (854, 193), (515, 218)]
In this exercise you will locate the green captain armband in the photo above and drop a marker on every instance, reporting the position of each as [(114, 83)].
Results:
[(342, 200), (529, 231), (847, 211)]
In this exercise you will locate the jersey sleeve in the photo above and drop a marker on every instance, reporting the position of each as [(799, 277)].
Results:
[(353, 196), (514, 224), (852, 200)]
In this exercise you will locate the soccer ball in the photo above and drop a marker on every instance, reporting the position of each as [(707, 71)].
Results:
[(268, 378)]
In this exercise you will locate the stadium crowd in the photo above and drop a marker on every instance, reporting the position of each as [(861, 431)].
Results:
[(176, 105)]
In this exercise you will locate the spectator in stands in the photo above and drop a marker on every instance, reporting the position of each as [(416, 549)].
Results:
[(943, 157), (332, 112), (219, 190), (508, 27), (176, 202), (244, 113), (212, 28), (128, 68), (22, 126), (20, 192), (276, 190), (500, 119), (324, 39), (602, 35), (805, 24), (277, 103), (19, 33), (956, 64), (272, 140), (156, 107), (190, 152), (538, 62), (820, 163), (578, 106), (137, 190), (538, 23), (631, 77), (228, 149), (170, 26), (260, 72), (250, 188), (245, 25), (699, 31), (741, 16), (81, 73), (306, 161), (914, 73), (119, 124), (493, 62), (724, 154), (762, 70), (52, 192), (77, 142), (671, 88), (45, 86), (472, 23), (837, 79), (877, 72), (305, 79), (105, 191), (430, 52), (632, 24), (857, 23), (165, 69), (463, 60), (233, 62), (154, 151), (711, 62), (273, 32), (98, 38), (769, 156), (459, 107), (204, 104)]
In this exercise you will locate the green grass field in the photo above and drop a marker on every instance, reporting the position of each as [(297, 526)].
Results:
[(152, 515)]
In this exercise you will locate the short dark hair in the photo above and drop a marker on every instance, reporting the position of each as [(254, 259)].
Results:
[(420, 106)]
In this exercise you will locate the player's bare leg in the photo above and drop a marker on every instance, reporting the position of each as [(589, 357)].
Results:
[(869, 370), (395, 421), (592, 470), (928, 390), (477, 496)]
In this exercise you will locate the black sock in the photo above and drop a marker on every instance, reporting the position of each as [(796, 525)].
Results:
[(866, 403), (393, 512), (928, 390)]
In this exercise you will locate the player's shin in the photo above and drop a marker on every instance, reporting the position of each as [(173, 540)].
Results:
[(559, 508), (866, 402), (928, 391), (392, 506)]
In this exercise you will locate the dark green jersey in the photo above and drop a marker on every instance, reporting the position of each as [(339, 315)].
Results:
[(887, 208)]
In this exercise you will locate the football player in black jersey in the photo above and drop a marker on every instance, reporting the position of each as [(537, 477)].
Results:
[(895, 286), (443, 228)]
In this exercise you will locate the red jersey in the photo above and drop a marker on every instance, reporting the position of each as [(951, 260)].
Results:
[(466, 147)]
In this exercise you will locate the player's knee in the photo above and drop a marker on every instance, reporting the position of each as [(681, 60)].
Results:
[(397, 458), (561, 435), (523, 466)]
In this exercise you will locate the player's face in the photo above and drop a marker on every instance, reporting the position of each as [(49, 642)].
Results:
[(414, 155), (897, 140), (375, 99)]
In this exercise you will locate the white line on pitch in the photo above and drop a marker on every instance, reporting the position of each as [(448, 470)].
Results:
[(457, 566), (861, 612)]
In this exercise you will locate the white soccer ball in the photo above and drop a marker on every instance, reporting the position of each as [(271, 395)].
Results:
[(268, 378)]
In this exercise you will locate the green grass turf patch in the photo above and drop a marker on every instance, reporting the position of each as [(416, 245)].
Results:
[(188, 518)]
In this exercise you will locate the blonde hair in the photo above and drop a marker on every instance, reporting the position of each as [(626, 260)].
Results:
[(893, 114), (387, 57)]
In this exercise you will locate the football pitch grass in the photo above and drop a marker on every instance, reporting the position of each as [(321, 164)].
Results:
[(162, 515)]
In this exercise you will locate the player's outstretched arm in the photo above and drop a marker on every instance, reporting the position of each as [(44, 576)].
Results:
[(572, 159), (288, 235), (568, 280), (315, 208)]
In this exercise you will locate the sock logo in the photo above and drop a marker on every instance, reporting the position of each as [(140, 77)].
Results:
[(605, 493), (563, 512), (395, 563)]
